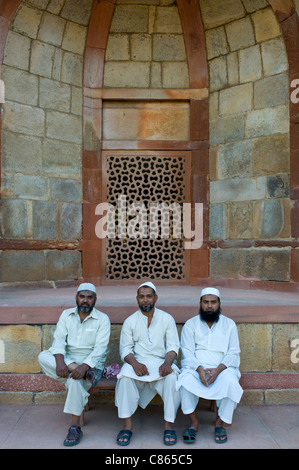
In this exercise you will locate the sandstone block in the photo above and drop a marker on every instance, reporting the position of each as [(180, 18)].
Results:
[(127, 74), (274, 56), (168, 47), (226, 129), (118, 47), (51, 29), (63, 265), (44, 220), (274, 397), (20, 86), (267, 121), (22, 345), (71, 221), (22, 266), (23, 119), (216, 43), (61, 158), (266, 25), (77, 10), (141, 47), (240, 34), (217, 222), (175, 75), (242, 189), (76, 101), (275, 145), (74, 38), (54, 95), (42, 56), (272, 218), (233, 68), (55, 6), (256, 347), (250, 65), (13, 398), (240, 220), (64, 126), (278, 185), (72, 69), (31, 187), (27, 20), (65, 190), (220, 12), (271, 91), (17, 51), (218, 73), (167, 20), (235, 100), (13, 218), (130, 18), (235, 160), (27, 161)]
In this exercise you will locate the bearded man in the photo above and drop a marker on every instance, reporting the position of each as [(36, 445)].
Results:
[(78, 354), (149, 344), (210, 365)]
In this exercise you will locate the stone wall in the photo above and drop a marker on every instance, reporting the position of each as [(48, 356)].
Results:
[(42, 138), (249, 140), (265, 348), (146, 47)]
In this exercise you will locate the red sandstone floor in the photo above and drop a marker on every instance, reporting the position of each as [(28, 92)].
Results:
[(45, 427)]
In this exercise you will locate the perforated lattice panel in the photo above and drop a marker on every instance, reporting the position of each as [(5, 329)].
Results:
[(147, 242)]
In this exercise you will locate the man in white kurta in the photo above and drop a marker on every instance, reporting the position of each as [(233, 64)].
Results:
[(77, 355), (210, 364), (149, 343)]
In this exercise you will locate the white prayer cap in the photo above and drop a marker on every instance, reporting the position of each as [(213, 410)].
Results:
[(147, 284), (210, 290), (87, 286)]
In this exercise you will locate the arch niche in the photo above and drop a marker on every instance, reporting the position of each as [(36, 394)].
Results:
[(97, 149)]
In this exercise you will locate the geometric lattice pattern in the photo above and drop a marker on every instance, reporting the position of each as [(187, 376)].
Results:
[(153, 248)]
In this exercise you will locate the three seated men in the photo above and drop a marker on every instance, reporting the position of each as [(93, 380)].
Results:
[(149, 345)]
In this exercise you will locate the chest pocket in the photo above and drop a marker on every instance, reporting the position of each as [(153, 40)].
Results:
[(88, 337)]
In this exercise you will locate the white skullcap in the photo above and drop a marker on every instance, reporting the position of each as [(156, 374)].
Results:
[(147, 284), (87, 286), (211, 291)]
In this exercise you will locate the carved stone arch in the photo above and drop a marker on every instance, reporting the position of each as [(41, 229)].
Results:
[(197, 144)]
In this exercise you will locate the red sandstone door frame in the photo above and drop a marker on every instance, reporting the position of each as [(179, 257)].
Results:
[(198, 143)]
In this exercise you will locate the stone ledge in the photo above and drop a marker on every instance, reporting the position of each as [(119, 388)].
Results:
[(248, 381), (240, 314)]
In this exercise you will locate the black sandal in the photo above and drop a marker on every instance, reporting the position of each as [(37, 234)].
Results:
[(74, 436)]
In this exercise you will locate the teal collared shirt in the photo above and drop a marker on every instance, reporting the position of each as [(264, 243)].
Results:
[(82, 342)]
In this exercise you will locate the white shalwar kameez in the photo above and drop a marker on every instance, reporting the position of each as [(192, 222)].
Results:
[(149, 345), (208, 347), (80, 342)]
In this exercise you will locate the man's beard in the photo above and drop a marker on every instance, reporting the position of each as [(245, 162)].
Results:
[(146, 309), (210, 316), (85, 309)]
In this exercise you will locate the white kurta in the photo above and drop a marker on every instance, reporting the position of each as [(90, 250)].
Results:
[(78, 342), (208, 347), (149, 345)]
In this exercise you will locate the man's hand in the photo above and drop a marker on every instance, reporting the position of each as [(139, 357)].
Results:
[(139, 368), (208, 376), (61, 367), (165, 368), (79, 372)]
